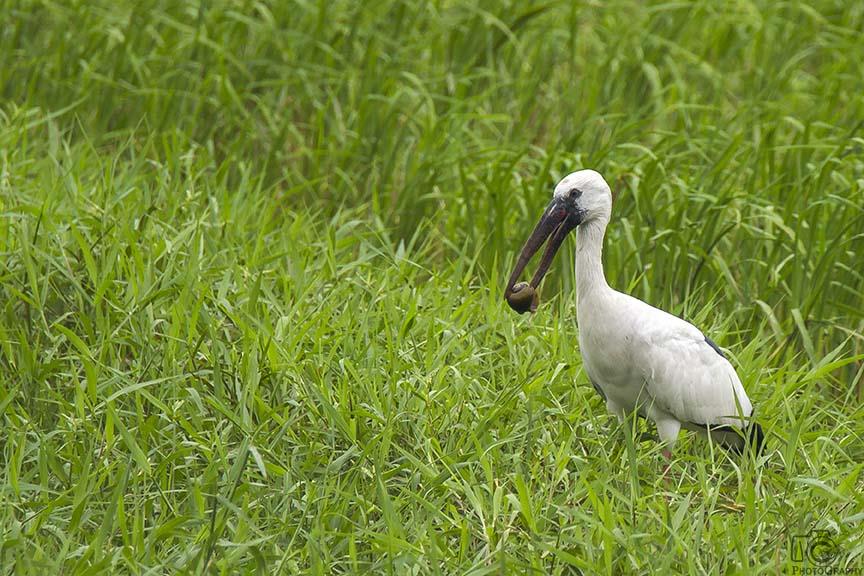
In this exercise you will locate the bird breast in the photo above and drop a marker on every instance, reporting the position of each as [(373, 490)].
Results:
[(606, 338)]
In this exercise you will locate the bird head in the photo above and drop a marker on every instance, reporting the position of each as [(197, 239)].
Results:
[(579, 198)]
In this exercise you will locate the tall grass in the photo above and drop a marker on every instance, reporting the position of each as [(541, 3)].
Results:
[(251, 314)]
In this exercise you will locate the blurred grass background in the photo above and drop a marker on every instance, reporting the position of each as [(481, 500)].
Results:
[(252, 267)]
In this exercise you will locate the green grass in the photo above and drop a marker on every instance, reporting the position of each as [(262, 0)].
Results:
[(252, 259)]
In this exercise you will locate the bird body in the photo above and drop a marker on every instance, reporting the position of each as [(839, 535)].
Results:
[(638, 357)]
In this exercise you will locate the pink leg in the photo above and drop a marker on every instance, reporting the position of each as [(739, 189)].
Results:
[(667, 455), (667, 428)]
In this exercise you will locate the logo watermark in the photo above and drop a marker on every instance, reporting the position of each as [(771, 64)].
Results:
[(817, 553)]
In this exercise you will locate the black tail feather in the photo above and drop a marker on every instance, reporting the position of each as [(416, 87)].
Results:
[(737, 440), (755, 437)]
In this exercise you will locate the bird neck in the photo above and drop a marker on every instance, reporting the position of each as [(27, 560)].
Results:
[(589, 262)]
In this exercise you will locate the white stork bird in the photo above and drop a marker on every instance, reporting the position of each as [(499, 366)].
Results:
[(639, 358)]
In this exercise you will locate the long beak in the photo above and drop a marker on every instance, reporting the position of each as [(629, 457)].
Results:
[(557, 221)]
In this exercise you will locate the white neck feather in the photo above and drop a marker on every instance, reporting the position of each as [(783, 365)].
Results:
[(590, 279)]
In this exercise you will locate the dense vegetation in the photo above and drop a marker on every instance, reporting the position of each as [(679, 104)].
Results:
[(251, 268)]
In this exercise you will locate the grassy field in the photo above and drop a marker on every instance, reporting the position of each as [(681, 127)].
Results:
[(252, 260)]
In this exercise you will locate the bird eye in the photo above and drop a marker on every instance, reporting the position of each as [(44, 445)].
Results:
[(575, 193)]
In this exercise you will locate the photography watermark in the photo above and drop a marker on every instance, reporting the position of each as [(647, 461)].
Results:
[(817, 553)]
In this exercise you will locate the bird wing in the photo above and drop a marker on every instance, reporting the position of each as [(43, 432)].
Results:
[(687, 376)]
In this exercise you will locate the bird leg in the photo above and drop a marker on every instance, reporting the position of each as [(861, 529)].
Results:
[(667, 456), (667, 429)]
